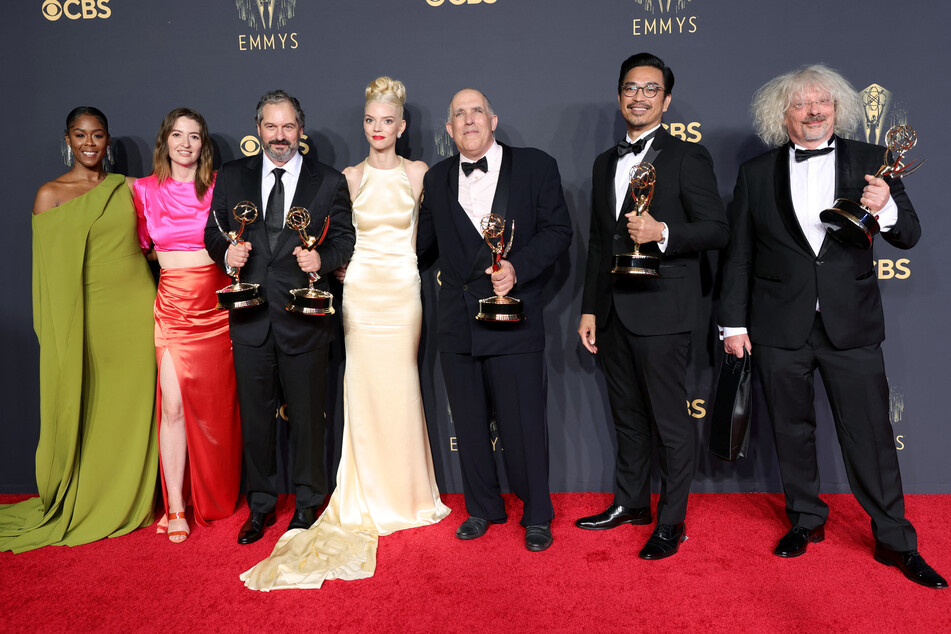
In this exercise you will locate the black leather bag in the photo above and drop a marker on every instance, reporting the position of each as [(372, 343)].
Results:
[(730, 423)]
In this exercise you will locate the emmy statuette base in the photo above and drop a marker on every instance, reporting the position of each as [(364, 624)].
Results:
[(239, 295), (310, 301), (499, 309), (636, 264), (850, 223)]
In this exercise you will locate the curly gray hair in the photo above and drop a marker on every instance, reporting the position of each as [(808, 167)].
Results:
[(772, 100)]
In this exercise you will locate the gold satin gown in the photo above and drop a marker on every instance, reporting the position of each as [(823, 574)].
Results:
[(385, 481)]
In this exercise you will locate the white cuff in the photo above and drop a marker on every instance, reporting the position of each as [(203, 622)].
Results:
[(888, 215), (731, 331), (229, 270), (662, 243)]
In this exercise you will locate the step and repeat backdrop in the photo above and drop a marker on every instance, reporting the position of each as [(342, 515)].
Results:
[(550, 69)]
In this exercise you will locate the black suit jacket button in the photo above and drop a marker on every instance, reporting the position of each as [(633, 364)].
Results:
[(465, 287), (617, 236), (818, 262)]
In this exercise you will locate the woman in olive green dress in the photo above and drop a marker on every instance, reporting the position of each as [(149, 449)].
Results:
[(96, 461)]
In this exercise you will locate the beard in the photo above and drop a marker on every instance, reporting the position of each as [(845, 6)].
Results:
[(280, 151), (816, 134)]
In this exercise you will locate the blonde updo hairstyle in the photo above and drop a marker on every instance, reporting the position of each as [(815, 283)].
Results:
[(387, 90)]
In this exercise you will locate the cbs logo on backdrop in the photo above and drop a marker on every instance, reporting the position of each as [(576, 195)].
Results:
[(76, 9), (689, 132), (892, 269), (251, 145)]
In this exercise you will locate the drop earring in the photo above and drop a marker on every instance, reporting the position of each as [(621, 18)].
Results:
[(67, 153)]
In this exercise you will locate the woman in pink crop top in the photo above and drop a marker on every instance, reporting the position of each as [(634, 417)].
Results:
[(199, 426)]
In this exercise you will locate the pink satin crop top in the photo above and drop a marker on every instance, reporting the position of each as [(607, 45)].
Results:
[(170, 216)]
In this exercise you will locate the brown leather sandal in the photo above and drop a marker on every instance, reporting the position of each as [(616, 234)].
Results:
[(171, 534)]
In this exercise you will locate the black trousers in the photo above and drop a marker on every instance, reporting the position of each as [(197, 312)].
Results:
[(858, 394), (646, 381), (516, 384), (259, 371)]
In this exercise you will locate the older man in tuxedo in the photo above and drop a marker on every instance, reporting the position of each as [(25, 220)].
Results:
[(802, 301), (276, 351), (640, 326), (498, 366)]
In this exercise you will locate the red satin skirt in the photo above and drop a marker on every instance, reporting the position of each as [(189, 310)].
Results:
[(195, 336)]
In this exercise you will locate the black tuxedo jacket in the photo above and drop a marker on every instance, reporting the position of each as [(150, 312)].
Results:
[(322, 191), (771, 276), (687, 199), (530, 194)]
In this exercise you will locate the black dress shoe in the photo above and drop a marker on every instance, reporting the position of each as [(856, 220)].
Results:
[(538, 537), (663, 542), (912, 565), (303, 518), (614, 516), (794, 542), (472, 528), (253, 529)]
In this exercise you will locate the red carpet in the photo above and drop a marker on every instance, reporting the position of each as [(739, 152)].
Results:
[(724, 579)]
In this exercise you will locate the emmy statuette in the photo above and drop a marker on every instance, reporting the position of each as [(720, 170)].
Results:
[(853, 223), (310, 300), (239, 294), (499, 308), (643, 177)]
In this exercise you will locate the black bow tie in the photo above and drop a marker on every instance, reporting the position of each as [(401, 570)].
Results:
[(805, 155), (626, 147), (481, 164)]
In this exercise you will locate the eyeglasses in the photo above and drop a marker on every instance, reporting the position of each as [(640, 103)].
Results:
[(650, 90), (823, 103)]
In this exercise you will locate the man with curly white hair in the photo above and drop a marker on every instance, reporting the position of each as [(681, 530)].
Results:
[(809, 302)]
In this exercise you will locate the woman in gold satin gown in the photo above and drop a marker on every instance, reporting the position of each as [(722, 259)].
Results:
[(385, 481), (96, 459)]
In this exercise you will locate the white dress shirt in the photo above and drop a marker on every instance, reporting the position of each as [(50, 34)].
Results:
[(477, 190), (622, 180), (288, 179), (812, 186)]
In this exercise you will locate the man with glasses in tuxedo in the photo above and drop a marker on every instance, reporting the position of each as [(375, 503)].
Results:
[(639, 326)]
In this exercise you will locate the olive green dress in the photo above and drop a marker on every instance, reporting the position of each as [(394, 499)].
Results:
[(97, 457)]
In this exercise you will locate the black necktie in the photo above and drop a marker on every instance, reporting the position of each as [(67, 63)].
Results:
[(274, 212), (626, 147), (481, 164), (805, 155)]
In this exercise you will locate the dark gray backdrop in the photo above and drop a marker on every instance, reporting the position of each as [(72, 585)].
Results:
[(550, 68)]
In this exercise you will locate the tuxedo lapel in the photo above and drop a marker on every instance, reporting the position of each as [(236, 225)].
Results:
[(843, 174), (784, 203), (483, 257), (501, 200), (459, 217), (843, 167), (657, 145), (608, 184), (255, 232), (307, 185), (469, 239)]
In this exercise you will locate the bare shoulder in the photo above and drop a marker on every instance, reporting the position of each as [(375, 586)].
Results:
[(416, 169), (354, 176), (52, 194), (130, 182)]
